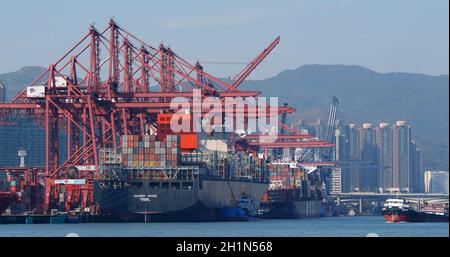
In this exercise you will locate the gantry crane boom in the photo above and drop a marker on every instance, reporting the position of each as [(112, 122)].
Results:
[(253, 64), (74, 96)]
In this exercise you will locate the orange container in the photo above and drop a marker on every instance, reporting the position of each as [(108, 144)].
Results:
[(188, 141), (265, 198), (164, 118)]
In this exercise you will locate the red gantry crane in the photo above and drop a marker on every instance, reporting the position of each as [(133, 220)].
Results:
[(99, 91)]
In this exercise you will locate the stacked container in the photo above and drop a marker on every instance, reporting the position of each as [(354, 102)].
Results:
[(108, 157), (187, 139), (149, 152), (281, 175)]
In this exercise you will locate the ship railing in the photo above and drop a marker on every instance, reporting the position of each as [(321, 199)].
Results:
[(164, 173), (184, 173), (232, 178)]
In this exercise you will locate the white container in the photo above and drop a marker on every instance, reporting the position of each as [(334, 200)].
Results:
[(85, 167), (36, 91), (60, 82), (215, 145), (70, 181)]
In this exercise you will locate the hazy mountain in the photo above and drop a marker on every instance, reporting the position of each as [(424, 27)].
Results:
[(365, 96), (18, 80), (368, 96)]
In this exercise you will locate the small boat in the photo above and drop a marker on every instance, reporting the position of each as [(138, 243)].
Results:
[(400, 210)]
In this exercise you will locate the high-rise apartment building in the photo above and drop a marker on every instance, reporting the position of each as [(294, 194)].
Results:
[(384, 158), (336, 181), (436, 182), (401, 158), (354, 155), (416, 170), (384, 149), (2, 93), (341, 153), (368, 152)]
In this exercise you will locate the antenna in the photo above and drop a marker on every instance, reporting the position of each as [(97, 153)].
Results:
[(22, 153)]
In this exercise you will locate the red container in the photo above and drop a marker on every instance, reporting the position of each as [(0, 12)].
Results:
[(188, 141)]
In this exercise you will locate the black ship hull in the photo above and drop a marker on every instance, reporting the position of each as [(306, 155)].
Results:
[(399, 215), (291, 210), (143, 201), (286, 204), (195, 213), (282, 210)]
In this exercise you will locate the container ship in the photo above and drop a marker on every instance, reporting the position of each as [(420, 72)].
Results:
[(400, 210), (178, 178), (290, 195)]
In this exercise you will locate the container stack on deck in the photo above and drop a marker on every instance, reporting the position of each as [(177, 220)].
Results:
[(283, 175), (149, 152), (290, 178)]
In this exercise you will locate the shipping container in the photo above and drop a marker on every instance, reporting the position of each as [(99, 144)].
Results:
[(188, 141), (149, 152)]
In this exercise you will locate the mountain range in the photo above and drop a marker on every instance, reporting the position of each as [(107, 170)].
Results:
[(372, 97), (18, 80), (365, 96)]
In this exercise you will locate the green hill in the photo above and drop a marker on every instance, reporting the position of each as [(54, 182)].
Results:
[(369, 96)]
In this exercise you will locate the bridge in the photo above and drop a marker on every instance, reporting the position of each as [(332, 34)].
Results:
[(379, 198), (376, 196)]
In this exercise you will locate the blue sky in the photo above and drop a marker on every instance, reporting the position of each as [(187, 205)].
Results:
[(383, 35)]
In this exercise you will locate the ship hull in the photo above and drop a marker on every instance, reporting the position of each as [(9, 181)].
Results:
[(293, 210), (277, 210), (200, 202), (412, 216), (287, 204), (308, 208)]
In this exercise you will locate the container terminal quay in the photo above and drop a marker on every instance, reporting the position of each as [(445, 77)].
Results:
[(107, 104)]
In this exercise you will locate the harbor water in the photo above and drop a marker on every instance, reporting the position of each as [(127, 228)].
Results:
[(358, 226)]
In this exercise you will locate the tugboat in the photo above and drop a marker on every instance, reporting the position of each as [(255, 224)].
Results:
[(400, 210), (243, 210)]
